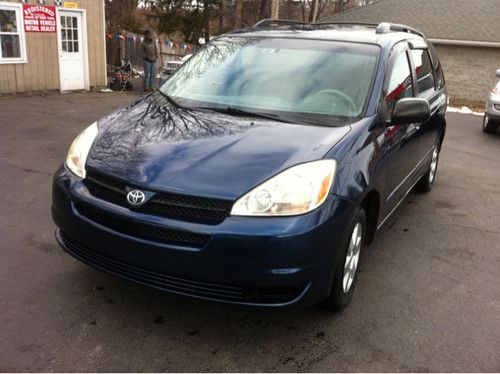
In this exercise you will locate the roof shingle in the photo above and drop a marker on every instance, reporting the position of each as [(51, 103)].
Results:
[(471, 20)]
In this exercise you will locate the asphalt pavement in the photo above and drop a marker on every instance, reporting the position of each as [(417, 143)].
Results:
[(427, 297)]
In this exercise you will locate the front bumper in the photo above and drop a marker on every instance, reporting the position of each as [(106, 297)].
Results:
[(265, 262)]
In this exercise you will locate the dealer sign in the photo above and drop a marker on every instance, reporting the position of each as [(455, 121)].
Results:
[(39, 18)]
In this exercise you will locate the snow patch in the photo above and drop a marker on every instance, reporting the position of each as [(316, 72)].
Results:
[(464, 110)]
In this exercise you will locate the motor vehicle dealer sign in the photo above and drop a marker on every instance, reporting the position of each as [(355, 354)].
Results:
[(39, 18)]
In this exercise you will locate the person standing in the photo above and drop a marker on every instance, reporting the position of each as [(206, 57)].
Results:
[(149, 53)]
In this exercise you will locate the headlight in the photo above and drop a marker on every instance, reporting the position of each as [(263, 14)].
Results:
[(297, 190), (77, 155)]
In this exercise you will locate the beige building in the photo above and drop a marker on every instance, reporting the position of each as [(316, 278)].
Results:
[(52, 45), (465, 33)]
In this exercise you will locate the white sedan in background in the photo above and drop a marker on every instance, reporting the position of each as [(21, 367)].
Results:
[(491, 120)]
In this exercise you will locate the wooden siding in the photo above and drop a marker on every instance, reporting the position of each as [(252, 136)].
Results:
[(41, 72)]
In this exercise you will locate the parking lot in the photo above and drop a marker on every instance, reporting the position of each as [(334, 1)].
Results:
[(427, 297)]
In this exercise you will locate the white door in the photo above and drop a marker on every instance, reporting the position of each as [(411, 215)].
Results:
[(71, 56)]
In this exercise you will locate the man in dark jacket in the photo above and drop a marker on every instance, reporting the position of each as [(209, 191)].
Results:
[(149, 53)]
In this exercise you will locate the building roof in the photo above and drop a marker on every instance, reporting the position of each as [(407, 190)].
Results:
[(452, 20)]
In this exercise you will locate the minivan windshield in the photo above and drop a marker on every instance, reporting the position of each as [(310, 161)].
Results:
[(297, 80)]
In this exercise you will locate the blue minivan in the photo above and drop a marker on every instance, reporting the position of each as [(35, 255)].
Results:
[(256, 174)]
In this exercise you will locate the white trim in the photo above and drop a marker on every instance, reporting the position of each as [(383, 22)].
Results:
[(18, 8), (465, 43), (84, 45)]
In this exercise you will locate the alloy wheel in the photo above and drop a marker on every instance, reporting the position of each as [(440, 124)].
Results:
[(433, 168), (352, 257)]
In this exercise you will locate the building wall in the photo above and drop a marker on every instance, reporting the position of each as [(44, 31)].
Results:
[(41, 72), (469, 71)]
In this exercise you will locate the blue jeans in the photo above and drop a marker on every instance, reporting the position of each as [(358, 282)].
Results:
[(149, 74)]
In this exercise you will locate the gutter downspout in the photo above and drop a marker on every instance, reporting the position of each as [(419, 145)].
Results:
[(464, 43)]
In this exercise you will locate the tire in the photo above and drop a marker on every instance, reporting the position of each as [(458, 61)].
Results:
[(115, 86), (129, 86), (489, 127), (342, 290), (427, 180)]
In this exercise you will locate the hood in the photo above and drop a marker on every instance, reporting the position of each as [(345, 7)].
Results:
[(161, 147)]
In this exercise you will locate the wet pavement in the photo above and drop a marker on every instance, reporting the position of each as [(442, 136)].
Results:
[(427, 297)]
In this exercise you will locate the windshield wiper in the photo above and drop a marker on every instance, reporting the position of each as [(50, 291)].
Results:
[(244, 113)]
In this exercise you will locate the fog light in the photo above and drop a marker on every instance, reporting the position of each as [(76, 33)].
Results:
[(497, 106)]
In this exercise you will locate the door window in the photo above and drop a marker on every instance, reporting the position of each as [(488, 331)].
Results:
[(438, 70), (423, 70), (400, 83), (69, 34)]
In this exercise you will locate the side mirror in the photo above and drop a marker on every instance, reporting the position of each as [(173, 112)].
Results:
[(411, 110), (498, 73)]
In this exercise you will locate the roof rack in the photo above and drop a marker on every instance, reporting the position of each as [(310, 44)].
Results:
[(344, 24), (381, 28), (269, 22), (386, 27)]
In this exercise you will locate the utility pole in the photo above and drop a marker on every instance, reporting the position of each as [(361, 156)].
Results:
[(275, 9)]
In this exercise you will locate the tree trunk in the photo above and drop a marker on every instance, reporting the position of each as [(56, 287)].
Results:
[(206, 20), (314, 11), (275, 9), (221, 16), (339, 6), (264, 9), (239, 14)]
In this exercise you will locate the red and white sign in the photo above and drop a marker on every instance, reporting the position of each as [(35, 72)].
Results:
[(39, 18)]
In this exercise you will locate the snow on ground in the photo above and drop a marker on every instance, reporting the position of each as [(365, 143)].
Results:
[(464, 110)]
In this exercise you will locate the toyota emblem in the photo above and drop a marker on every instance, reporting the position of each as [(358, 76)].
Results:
[(136, 197)]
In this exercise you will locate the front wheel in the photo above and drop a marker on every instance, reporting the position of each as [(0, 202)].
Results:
[(488, 126), (345, 272), (115, 85)]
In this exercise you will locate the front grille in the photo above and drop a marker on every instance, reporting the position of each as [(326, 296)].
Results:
[(191, 287), (165, 204), (173, 65), (150, 278), (143, 230)]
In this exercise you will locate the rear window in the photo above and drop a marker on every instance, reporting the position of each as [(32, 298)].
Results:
[(423, 69)]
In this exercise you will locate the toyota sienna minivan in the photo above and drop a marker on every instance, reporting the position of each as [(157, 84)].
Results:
[(258, 172)]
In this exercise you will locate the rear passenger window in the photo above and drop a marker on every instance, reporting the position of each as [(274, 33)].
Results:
[(438, 70), (400, 83), (423, 69)]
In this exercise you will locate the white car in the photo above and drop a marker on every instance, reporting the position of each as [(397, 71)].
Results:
[(173, 65), (491, 120)]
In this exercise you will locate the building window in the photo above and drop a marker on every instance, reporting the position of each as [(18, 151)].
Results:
[(12, 42), (69, 34)]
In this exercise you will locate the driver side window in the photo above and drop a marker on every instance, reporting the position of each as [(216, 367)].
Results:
[(400, 83)]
